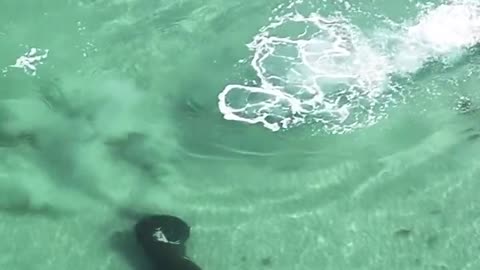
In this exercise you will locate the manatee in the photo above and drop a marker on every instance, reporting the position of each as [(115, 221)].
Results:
[(163, 238)]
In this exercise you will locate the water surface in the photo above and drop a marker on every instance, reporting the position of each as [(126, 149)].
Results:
[(290, 135)]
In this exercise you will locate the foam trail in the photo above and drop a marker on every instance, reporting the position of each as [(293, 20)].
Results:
[(313, 69)]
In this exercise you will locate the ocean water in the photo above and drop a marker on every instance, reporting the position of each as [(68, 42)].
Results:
[(290, 134)]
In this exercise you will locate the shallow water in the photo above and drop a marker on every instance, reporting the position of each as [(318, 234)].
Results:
[(290, 135)]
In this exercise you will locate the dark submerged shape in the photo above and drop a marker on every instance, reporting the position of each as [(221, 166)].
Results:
[(163, 239)]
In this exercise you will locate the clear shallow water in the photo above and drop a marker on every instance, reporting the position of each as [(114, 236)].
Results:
[(124, 115)]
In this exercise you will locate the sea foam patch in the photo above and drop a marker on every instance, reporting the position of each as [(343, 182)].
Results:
[(30, 61), (326, 70)]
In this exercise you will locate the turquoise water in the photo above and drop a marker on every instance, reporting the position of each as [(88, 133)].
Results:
[(290, 135)]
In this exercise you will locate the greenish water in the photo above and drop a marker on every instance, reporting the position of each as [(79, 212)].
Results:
[(346, 144)]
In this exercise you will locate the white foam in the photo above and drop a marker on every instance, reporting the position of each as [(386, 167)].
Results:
[(440, 32), (30, 60), (448, 27), (296, 74), (325, 70)]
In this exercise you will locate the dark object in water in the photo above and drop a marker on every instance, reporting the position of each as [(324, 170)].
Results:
[(267, 261), (403, 233), (163, 239)]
